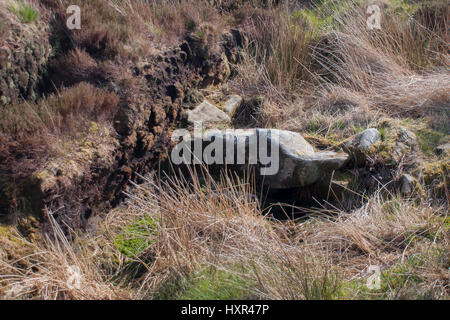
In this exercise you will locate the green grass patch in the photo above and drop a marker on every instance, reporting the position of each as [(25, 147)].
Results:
[(399, 281), (322, 15), (429, 139), (27, 13)]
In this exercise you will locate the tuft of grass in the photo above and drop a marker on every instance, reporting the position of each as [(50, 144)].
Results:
[(59, 269), (305, 68), (429, 139), (26, 12)]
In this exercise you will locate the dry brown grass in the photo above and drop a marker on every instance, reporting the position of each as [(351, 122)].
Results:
[(78, 66), (279, 43), (58, 270), (401, 70), (131, 29), (203, 224)]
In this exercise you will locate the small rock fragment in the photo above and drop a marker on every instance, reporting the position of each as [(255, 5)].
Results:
[(407, 184), (232, 104), (207, 113), (361, 143)]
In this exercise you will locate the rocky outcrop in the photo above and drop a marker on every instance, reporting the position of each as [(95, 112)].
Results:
[(150, 109), (280, 159), (210, 115)]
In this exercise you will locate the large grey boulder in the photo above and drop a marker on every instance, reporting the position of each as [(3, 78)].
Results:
[(206, 113), (280, 159)]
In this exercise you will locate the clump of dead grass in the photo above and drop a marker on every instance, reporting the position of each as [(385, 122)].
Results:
[(59, 270)]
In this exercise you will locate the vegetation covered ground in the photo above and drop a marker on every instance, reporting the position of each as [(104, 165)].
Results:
[(313, 67)]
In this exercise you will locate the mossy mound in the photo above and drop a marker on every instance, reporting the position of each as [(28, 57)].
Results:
[(436, 176)]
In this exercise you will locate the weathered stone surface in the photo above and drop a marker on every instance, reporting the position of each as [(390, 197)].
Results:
[(365, 139), (359, 145), (405, 142), (206, 113), (291, 162), (232, 104), (408, 184), (399, 145)]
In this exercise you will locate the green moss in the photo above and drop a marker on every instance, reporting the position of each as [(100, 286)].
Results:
[(433, 171), (137, 237), (213, 284), (200, 34)]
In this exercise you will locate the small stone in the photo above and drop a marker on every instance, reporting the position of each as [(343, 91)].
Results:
[(206, 113), (232, 104), (361, 143), (368, 138), (406, 137), (407, 184)]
